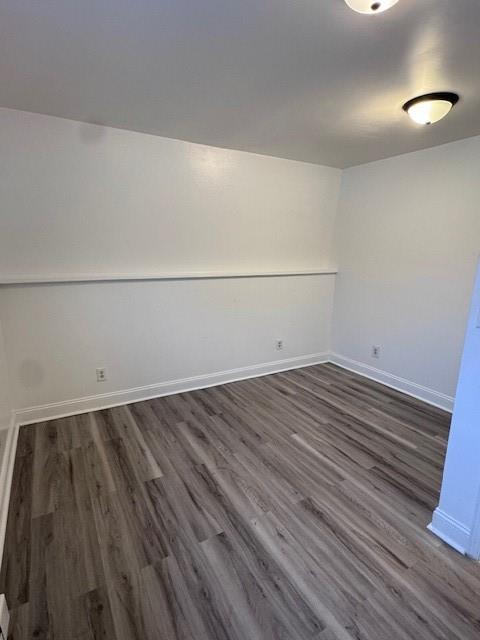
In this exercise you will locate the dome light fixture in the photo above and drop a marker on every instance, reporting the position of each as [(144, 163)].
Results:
[(431, 107), (370, 6)]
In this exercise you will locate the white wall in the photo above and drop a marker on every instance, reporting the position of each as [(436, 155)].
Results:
[(457, 518), (151, 332), (408, 236), (5, 399), (82, 199), (7, 437), (79, 198)]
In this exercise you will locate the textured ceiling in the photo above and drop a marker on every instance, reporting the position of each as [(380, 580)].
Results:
[(304, 79)]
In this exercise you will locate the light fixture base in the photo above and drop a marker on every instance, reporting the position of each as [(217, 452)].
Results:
[(431, 107), (370, 6)]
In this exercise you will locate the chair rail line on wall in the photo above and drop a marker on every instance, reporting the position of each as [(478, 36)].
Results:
[(13, 279)]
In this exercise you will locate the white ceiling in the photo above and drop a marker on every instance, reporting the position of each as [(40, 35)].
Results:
[(304, 79)]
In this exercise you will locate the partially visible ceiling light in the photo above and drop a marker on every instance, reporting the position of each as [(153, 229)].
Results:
[(431, 107), (370, 6)]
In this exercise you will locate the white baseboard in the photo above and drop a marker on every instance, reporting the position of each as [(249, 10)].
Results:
[(435, 398), (116, 398), (4, 617), (473, 549), (6, 473), (451, 531), (103, 401)]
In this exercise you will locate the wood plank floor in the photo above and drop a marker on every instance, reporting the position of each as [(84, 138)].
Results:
[(291, 506)]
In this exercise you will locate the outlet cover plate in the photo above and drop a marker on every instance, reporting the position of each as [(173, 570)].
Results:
[(101, 374)]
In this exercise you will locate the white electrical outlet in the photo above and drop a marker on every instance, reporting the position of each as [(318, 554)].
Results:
[(375, 351), (279, 345), (101, 374)]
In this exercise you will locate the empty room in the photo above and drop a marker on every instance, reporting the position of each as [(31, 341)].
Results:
[(240, 320)]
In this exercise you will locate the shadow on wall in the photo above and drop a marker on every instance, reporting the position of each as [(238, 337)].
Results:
[(91, 132)]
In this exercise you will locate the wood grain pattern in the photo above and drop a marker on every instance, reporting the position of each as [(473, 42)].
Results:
[(288, 507)]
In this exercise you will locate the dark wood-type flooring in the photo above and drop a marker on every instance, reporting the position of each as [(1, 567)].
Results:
[(291, 506)]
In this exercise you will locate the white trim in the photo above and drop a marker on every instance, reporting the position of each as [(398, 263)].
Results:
[(6, 474), (9, 279), (85, 404), (473, 548), (451, 531), (4, 617), (430, 396), (116, 398)]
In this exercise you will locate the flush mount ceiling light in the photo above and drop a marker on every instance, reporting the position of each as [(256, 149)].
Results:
[(370, 6), (431, 107)]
